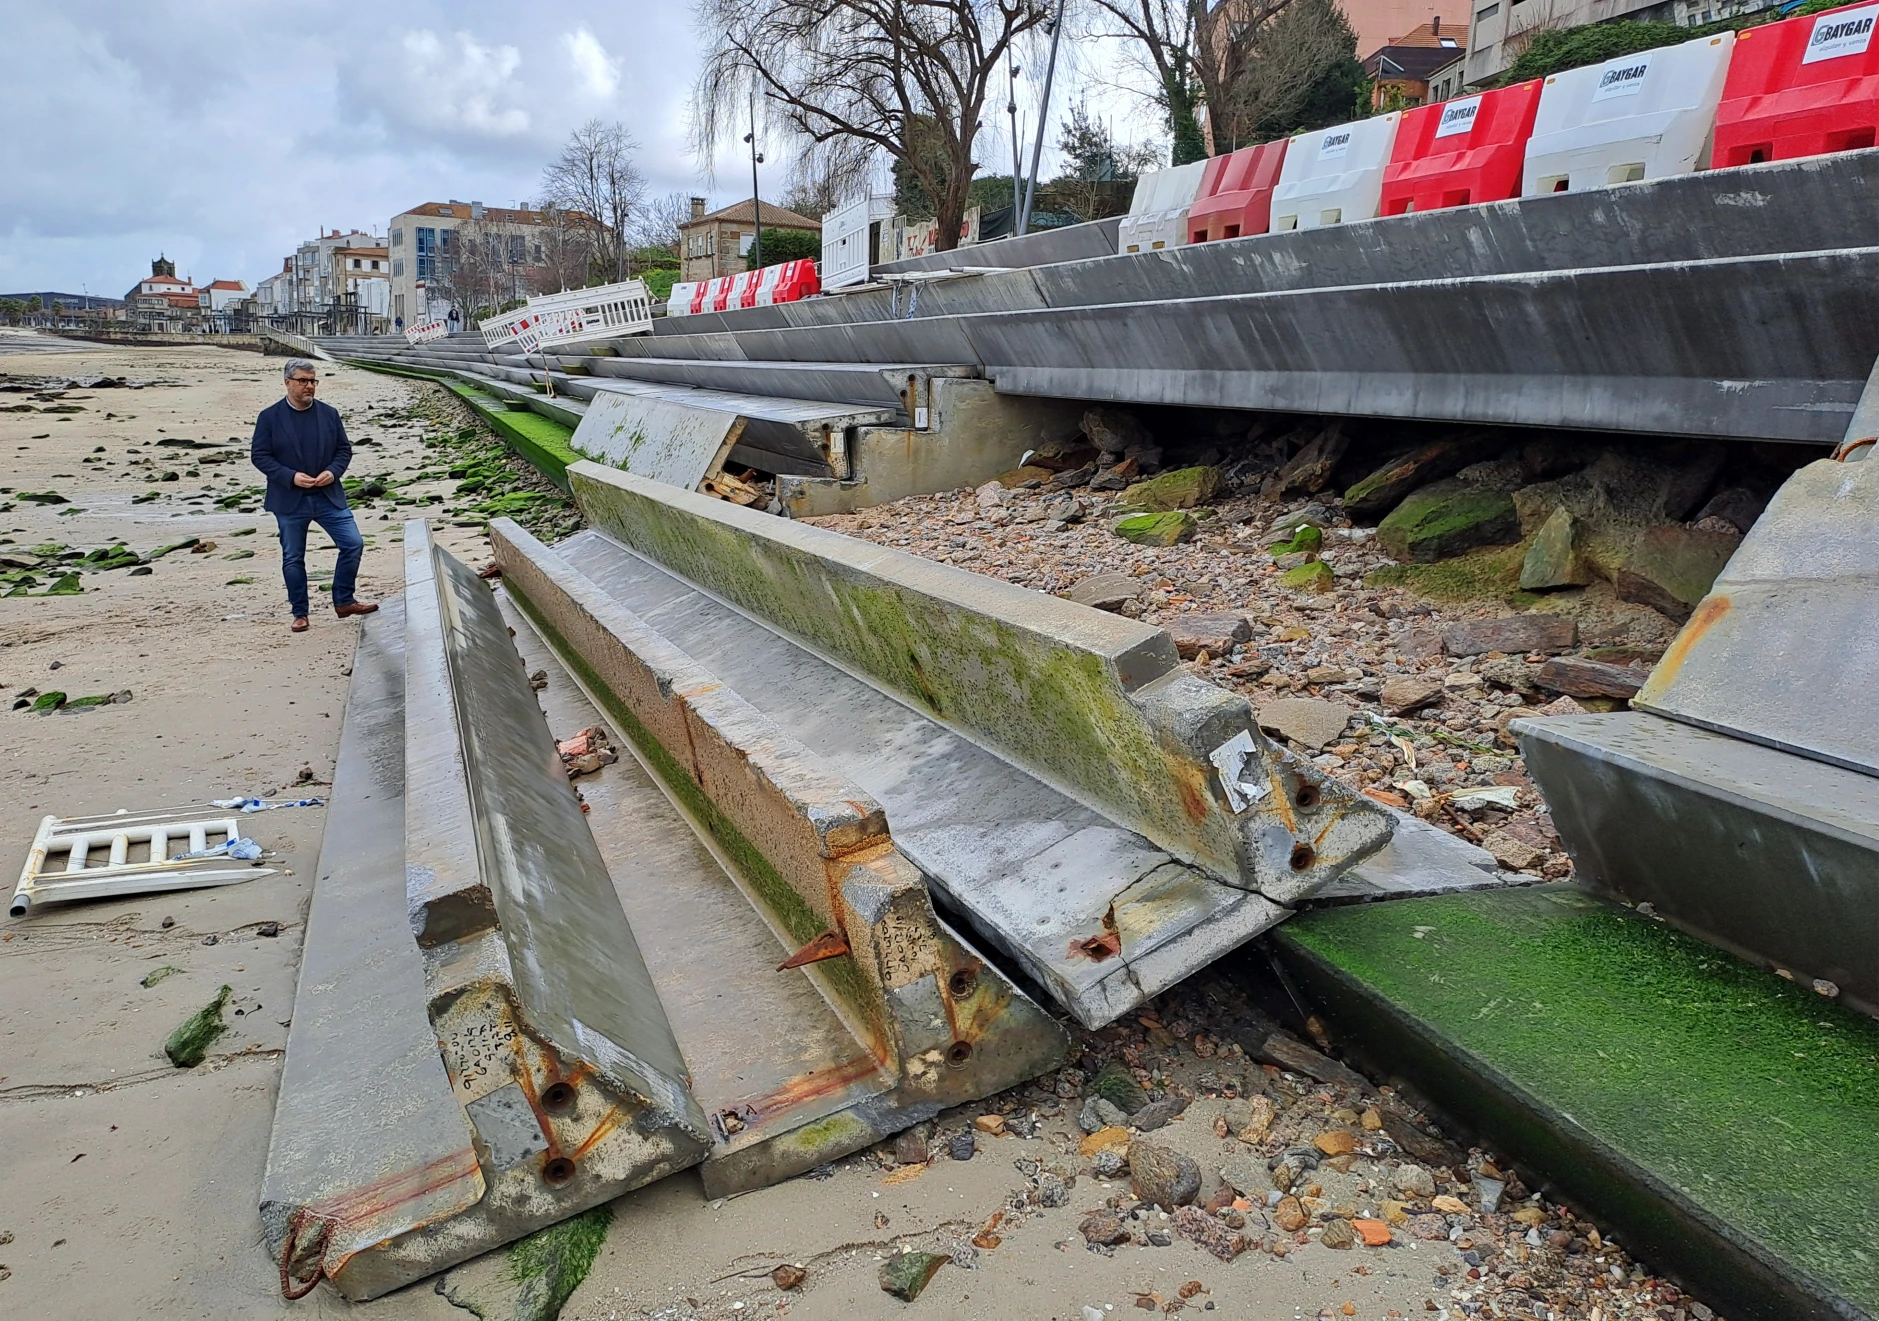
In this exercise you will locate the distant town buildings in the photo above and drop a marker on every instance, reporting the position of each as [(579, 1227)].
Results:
[(1401, 69), (461, 256), (716, 243), (164, 303)]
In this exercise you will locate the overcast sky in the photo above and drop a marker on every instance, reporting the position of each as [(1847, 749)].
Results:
[(223, 133)]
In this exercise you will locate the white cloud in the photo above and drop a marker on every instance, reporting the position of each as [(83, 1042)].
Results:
[(460, 84), (598, 71)]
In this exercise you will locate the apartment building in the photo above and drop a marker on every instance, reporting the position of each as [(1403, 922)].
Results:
[(519, 251)]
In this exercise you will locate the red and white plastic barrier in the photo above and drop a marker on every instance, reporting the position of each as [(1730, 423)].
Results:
[(1236, 194), (783, 283), (1458, 152), (1801, 87), (426, 331), (1158, 209)]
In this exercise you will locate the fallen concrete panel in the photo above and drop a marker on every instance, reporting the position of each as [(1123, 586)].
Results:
[(1091, 701), (891, 385), (1713, 1115), (370, 1148), (1768, 854), (552, 1034), (657, 438), (936, 1024), (1779, 651), (1099, 914)]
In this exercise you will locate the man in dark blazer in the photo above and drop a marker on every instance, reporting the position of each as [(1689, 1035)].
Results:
[(300, 445)]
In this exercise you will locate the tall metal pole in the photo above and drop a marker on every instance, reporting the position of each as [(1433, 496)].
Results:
[(756, 202), (1043, 119), (1011, 108)]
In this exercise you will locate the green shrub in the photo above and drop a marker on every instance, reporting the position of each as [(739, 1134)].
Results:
[(780, 245)]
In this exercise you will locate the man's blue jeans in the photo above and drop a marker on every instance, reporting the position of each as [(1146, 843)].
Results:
[(339, 525)]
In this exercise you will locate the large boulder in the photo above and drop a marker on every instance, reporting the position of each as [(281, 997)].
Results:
[(1179, 488), (1309, 471), (1383, 489), (1447, 518), (1673, 567), (1621, 496), (1113, 431), (1553, 560)]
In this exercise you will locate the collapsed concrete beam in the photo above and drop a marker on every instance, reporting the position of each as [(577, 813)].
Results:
[(818, 859), (552, 1034), (1074, 821)]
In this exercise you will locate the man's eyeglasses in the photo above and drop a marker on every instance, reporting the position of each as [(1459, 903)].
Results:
[(301, 380)]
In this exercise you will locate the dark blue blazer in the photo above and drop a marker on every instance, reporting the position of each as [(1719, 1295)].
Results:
[(279, 454)]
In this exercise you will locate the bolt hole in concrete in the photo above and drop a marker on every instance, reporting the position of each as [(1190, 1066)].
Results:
[(962, 983), (959, 1053), (558, 1096), (1307, 795), (1303, 855), (558, 1170)]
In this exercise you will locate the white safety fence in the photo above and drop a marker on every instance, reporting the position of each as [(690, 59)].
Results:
[(1158, 210), (101, 857), (551, 320), (1640, 116), (847, 240), (426, 331), (1333, 176)]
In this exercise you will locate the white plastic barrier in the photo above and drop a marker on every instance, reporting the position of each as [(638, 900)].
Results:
[(1158, 212), (1333, 176), (1639, 116), (606, 312), (521, 326), (426, 331), (766, 285), (846, 240)]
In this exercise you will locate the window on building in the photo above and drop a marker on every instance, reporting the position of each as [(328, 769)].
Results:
[(375, 265), (1453, 44), (1482, 15), (518, 249), (427, 250), (398, 238), (538, 254)]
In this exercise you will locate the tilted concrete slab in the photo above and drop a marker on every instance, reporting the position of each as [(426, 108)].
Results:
[(658, 438), (1773, 856), (1069, 878), (1713, 1116), (1780, 651), (370, 1149), (551, 1031), (938, 1025)]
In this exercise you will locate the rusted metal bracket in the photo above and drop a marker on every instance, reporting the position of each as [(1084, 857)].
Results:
[(831, 944)]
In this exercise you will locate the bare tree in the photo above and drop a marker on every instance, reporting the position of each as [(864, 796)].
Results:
[(1194, 53), (908, 78), (1289, 75), (595, 174), (657, 225), (473, 272), (569, 241), (823, 178)]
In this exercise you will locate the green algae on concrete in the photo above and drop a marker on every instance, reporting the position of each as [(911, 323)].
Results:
[(1164, 529), (1723, 1117)]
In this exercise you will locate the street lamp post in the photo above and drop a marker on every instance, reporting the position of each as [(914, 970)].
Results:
[(1011, 108), (756, 202)]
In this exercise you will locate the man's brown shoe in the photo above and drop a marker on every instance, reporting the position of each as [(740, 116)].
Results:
[(300, 624), (355, 608)]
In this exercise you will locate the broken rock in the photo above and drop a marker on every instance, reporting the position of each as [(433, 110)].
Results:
[(1182, 488), (1404, 693), (1384, 488), (1446, 519), (1514, 634), (1673, 567), (1578, 677), (1553, 560), (1106, 591), (1309, 470), (907, 1274), (1215, 634), (1310, 722), (1157, 529)]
